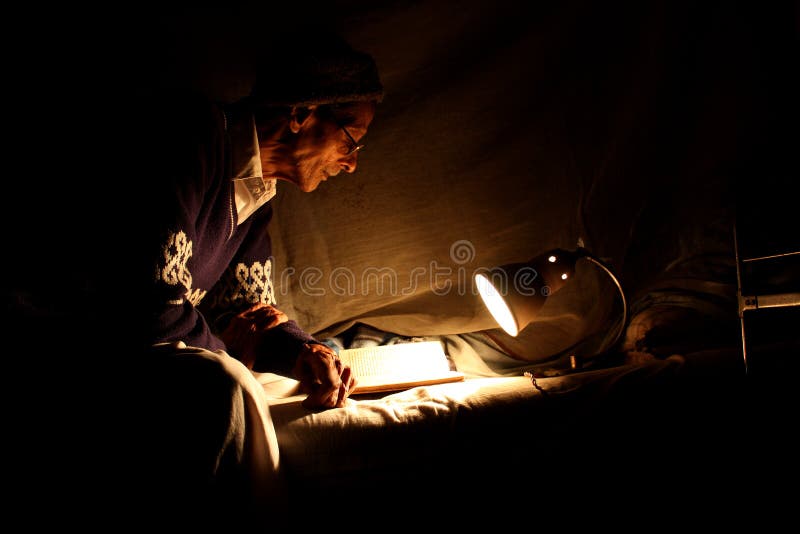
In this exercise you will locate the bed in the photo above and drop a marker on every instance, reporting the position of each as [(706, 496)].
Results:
[(510, 139)]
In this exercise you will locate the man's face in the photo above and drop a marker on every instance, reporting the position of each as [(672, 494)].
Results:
[(323, 148)]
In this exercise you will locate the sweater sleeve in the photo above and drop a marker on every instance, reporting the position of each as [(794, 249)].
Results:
[(247, 281)]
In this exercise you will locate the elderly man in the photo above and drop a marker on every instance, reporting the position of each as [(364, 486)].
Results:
[(217, 170), (199, 299)]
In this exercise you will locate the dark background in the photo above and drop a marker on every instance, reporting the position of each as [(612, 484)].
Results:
[(610, 121)]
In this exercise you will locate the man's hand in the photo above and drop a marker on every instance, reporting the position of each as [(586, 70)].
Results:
[(242, 334), (323, 377)]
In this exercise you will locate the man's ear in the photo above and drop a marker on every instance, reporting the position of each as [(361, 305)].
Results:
[(299, 116)]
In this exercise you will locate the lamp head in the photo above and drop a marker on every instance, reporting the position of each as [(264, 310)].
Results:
[(515, 293)]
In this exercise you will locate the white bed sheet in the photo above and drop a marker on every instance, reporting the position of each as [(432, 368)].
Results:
[(441, 435)]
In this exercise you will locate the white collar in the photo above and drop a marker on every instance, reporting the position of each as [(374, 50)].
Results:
[(251, 189)]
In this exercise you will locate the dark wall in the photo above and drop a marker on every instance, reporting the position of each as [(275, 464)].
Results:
[(647, 125)]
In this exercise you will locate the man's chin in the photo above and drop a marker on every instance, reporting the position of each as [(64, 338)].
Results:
[(311, 183), (317, 183)]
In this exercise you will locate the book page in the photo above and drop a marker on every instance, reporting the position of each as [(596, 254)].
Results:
[(399, 366)]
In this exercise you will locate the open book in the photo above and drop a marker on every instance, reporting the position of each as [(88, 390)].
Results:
[(399, 366)]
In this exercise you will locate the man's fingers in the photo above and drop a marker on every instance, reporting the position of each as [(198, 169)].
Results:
[(329, 381), (323, 377), (263, 317), (348, 385), (320, 399)]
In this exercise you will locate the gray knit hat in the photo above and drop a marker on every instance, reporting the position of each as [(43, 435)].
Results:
[(323, 71)]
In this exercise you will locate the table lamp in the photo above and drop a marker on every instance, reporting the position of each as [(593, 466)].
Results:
[(515, 293)]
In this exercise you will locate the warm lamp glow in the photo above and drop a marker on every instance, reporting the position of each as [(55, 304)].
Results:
[(515, 293), (496, 305)]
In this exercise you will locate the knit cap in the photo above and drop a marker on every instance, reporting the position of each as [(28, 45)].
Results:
[(323, 70)]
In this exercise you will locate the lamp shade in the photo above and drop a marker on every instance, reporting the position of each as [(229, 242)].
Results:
[(515, 293)]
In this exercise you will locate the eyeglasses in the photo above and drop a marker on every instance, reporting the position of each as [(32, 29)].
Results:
[(353, 145)]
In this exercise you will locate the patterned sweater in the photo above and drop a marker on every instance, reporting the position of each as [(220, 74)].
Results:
[(205, 264)]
